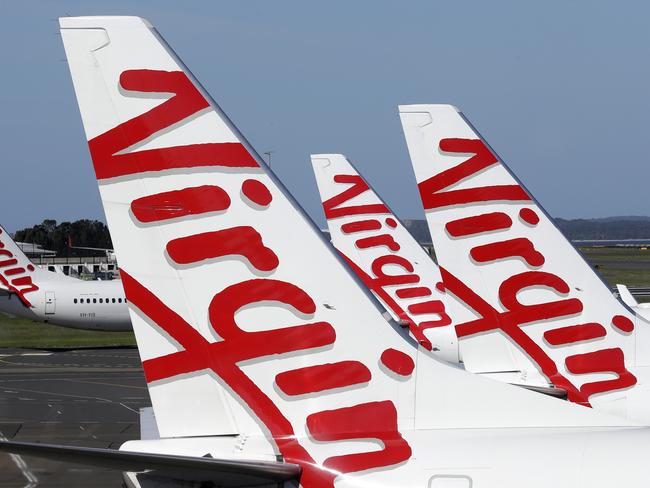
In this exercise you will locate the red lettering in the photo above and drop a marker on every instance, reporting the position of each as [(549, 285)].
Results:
[(622, 323), (384, 279), (376, 420), (14, 271), (180, 203), (398, 362), (478, 224), (185, 102), (376, 241), (322, 377), (333, 207), (431, 189), (360, 226), (574, 333), (509, 322), (8, 262), (242, 241), (375, 285), (432, 306), (419, 291), (529, 216), (513, 248), (257, 192), (603, 361)]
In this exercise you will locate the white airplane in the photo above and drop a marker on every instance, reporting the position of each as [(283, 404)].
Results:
[(373, 241), (267, 363), (522, 297), (44, 296), (642, 309), (384, 255)]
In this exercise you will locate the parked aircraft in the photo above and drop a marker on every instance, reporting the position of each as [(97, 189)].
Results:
[(642, 309), (44, 296), (265, 359), (384, 255), (522, 297)]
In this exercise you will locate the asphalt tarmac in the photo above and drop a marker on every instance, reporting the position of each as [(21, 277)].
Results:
[(88, 397)]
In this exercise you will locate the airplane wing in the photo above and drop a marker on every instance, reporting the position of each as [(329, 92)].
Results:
[(536, 304), (226, 472)]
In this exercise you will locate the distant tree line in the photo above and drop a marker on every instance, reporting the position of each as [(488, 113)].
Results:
[(584, 229), (63, 237), (610, 228)]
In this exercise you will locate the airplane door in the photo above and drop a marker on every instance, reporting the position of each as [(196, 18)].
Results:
[(50, 303)]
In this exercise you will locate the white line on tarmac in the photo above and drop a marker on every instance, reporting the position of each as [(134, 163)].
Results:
[(100, 399), (32, 480)]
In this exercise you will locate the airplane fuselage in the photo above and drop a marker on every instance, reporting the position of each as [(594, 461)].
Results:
[(69, 302)]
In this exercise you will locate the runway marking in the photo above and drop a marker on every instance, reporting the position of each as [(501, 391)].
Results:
[(129, 408), (72, 377), (36, 354), (69, 365), (105, 400), (104, 383), (32, 480)]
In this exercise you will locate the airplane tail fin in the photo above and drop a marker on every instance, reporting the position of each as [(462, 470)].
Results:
[(246, 321), (245, 318), (533, 303), (372, 240), (17, 273)]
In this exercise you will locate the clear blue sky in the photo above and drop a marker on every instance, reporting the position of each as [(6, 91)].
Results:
[(560, 89)]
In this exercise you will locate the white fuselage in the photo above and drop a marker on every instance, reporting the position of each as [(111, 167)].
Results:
[(70, 302), (466, 458)]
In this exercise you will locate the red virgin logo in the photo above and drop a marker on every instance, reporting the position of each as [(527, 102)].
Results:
[(436, 195), (379, 233), (372, 420), (14, 276)]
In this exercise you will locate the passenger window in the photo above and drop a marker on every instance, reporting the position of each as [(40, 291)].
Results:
[(75, 300), (101, 300), (94, 300), (119, 300), (113, 300)]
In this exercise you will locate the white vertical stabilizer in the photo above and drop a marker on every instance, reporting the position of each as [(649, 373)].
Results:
[(385, 255), (538, 306)]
